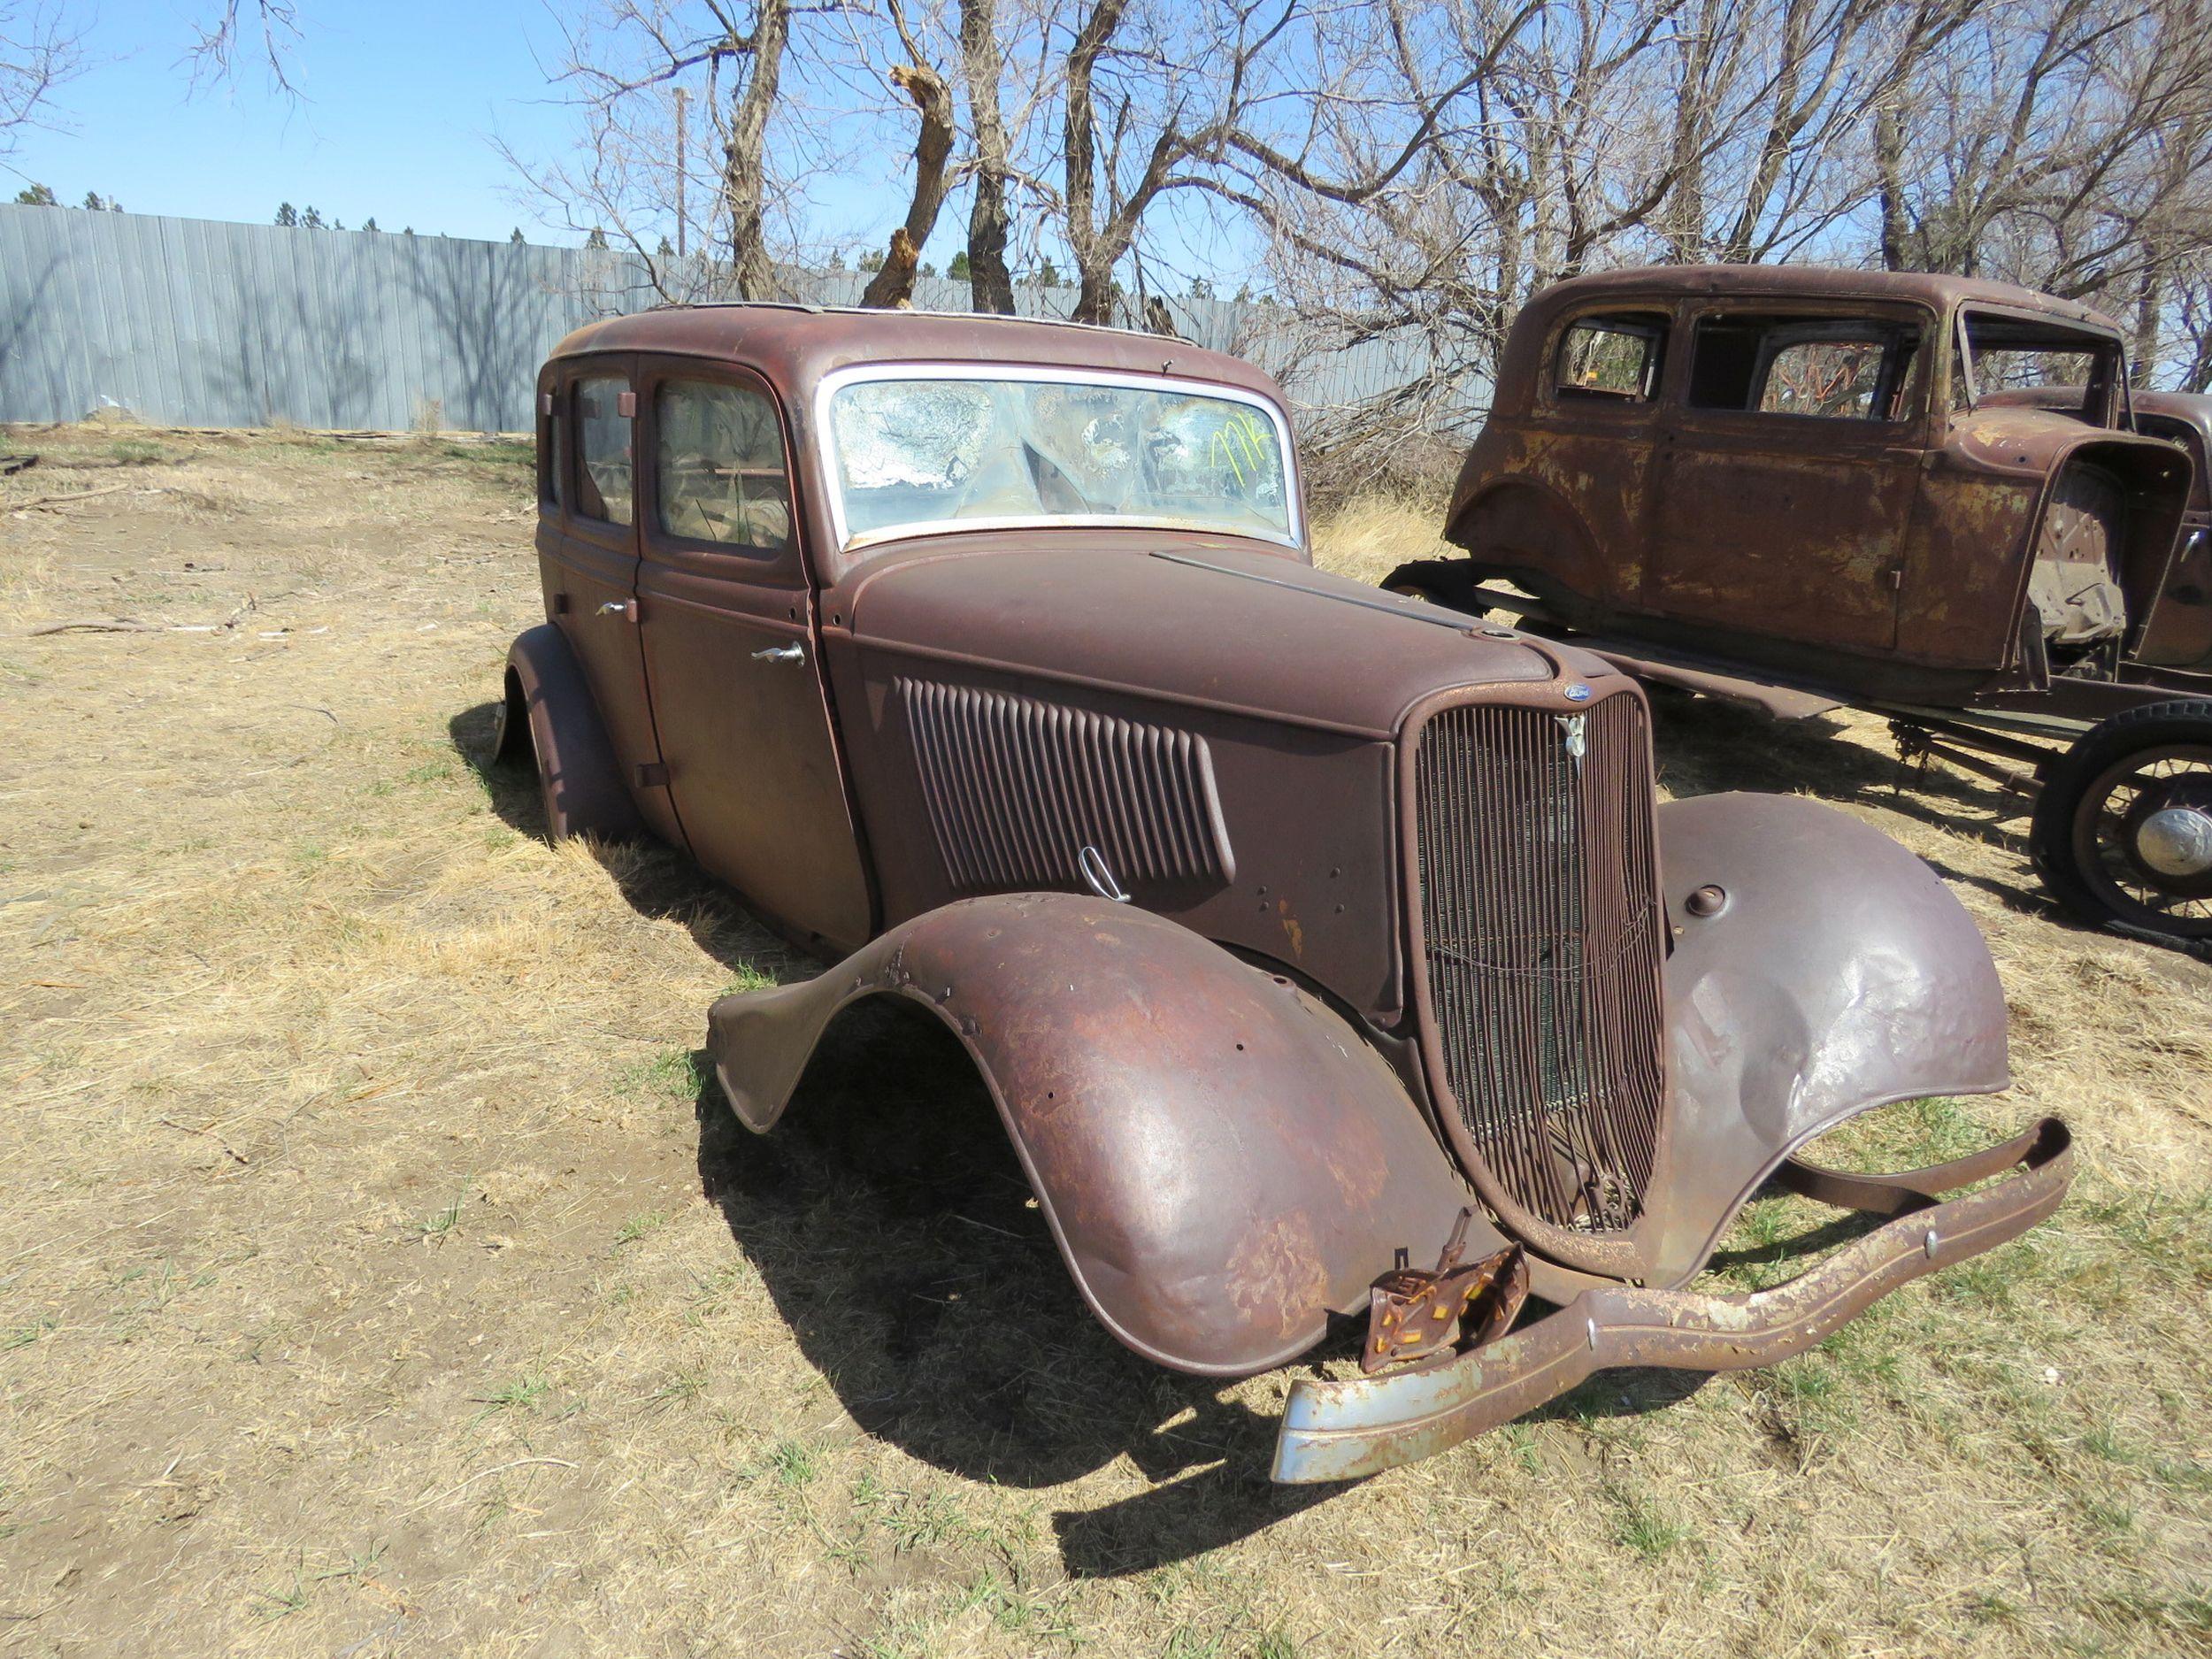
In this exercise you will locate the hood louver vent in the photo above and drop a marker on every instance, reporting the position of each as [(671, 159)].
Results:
[(1016, 787)]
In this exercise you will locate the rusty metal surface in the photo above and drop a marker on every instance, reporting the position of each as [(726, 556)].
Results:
[(1241, 1096), (548, 716), (1865, 559), (1418, 1314), (1346, 1430), (1838, 973), (1222, 1160)]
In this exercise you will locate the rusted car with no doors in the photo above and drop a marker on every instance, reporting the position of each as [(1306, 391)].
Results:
[(1324, 954), (1933, 496)]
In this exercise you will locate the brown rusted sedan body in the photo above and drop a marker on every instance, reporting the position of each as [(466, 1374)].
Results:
[(1303, 936), (1802, 488)]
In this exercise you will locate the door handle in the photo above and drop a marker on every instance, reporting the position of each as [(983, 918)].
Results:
[(780, 654), (627, 609)]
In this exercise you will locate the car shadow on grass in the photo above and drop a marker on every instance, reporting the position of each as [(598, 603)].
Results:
[(891, 1223)]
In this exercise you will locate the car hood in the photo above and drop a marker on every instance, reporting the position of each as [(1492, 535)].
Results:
[(1213, 623)]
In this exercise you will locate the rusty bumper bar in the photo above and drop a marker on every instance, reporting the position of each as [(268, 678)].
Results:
[(1344, 1431)]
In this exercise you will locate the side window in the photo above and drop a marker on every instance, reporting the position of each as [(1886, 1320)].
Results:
[(1827, 369), (549, 427), (1838, 380), (719, 464), (1614, 358), (602, 448)]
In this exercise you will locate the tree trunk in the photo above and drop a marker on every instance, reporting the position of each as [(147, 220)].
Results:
[(990, 284), (1094, 256), (894, 284), (741, 182), (1889, 155)]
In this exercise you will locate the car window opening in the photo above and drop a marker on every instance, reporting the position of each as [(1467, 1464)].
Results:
[(2016, 355), (718, 465), (1611, 358), (1820, 367), (604, 487)]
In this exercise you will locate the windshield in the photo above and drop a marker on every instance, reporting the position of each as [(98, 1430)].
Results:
[(939, 450), (2012, 359)]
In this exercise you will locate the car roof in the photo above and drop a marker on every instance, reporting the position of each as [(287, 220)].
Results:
[(1805, 281), (795, 346)]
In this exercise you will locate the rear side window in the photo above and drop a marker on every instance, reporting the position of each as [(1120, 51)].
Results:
[(549, 454), (603, 487), (1822, 368), (718, 465), (1610, 359)]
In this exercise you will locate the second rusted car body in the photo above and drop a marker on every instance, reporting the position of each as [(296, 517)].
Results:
[(1799, 469), (1303, 936), (1932, 495)]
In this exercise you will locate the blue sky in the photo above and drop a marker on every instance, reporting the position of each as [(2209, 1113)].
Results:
[(399, 102)]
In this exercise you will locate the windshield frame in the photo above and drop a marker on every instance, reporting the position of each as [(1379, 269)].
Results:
[(846, 541)]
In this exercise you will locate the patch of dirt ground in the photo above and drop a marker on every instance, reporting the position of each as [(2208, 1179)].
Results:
[(377, 1277)]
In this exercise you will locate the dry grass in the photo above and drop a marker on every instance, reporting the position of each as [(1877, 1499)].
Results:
[(376, 1277)]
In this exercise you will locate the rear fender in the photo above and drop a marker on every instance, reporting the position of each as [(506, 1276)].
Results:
[(1221, 1159), (1839, 974), (547, 696)]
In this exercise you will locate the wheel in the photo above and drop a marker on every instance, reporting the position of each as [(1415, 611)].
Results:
[(2122, 829)]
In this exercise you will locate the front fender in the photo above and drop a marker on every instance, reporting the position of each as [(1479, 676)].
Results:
[(1221, 1159), (1839, 974)]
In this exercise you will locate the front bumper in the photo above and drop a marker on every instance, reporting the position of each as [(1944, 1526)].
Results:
[(1347, 1430)]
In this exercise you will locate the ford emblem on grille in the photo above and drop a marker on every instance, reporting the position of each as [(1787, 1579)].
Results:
[(1578, 693)]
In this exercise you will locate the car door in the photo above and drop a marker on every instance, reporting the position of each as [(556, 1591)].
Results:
[(589, 558), (1787, 486), (728, 628)]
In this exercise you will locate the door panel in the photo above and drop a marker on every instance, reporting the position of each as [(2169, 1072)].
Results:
[(1801, 542), (739, 697), (590, 572)]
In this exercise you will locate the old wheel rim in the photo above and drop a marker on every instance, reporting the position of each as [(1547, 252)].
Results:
[(2139, 835)]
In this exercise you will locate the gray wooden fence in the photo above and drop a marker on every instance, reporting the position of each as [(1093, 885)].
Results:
[(197, 323)]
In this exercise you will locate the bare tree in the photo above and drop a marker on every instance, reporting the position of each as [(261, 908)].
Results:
[(983, 67), (38, 52), (622, 64), (262, 31), (893, 282)]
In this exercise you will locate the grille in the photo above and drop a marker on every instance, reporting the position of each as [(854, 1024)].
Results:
[(1540, 911), (1016, 787)]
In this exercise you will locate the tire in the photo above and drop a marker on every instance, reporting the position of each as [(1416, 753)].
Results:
[(511, 726), (2086, 839)]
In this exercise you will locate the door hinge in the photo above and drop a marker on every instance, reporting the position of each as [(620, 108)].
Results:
[(1896, 577), (625, 405), (652, 774)]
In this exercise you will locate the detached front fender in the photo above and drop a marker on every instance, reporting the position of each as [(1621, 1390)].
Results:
[(1837, 974), (1221, 1159)]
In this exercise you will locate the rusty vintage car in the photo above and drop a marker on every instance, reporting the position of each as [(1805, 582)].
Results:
[(1323, 953), (1934, 497)]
